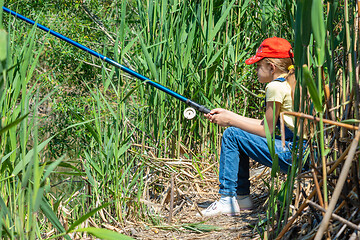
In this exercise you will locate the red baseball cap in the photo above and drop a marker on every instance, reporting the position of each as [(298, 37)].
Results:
[(273, 48)]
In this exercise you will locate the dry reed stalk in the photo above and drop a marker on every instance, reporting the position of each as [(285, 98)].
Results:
[(311, 195), (302, 115), (342, 229), (355, 235), (297, 213), (318, 188), (339, 106), (339, 186), (257, 176), (150, 164), (187, 174), (333, 164), (344, 226), (178, 208), (93, 223), (335, 216), (114, 220), (140, 145), (340, 206), (171, 198), (205, 170)]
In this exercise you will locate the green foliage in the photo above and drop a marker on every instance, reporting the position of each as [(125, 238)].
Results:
[(277, 190), (318, 29), (310, 84), (3, 45), (200, 227), (97, 115), (24, 180), (104, 233), (86, 216)]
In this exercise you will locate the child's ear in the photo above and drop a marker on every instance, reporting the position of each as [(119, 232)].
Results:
[(272, 68)]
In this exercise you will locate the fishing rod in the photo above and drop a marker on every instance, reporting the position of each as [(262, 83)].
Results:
[(189, 113)]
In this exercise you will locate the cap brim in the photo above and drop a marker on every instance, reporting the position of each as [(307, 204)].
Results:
[(253, 60)]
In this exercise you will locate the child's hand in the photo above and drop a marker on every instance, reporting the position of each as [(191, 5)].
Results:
[(220, 116)]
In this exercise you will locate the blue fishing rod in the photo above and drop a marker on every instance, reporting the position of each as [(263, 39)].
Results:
[(189, 113)]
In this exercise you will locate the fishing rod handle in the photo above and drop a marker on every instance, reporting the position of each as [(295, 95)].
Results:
[(197, 106)]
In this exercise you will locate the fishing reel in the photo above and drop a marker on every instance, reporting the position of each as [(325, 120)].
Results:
[(189, 113)]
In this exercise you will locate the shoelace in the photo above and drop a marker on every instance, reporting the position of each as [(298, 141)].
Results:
[(212, 206)]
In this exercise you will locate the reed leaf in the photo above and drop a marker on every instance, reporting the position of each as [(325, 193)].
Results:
[(86, 216), (3, 45), (220, 22), (88, 126), (13, 124), (149, 60), (310, 84), (302, 30), (49, 213), (104, 233), (94, 164), (306, 20), (29, 156), (200, 227), (51, 168), (318, 29)]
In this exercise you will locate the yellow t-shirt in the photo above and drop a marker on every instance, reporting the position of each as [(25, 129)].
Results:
[(280, 91)]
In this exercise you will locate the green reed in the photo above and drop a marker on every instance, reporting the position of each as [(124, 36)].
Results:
[(197, 50), (24, 176), (316, 56), (26, 202), (109, 126)]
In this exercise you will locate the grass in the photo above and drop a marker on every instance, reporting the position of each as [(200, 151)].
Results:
[(77, 134)]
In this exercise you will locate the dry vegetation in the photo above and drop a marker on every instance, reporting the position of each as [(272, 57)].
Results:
[(84, 147)]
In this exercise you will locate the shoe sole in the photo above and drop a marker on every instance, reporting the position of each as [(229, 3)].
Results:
[(231, 214), (224, 214), (242, 209)]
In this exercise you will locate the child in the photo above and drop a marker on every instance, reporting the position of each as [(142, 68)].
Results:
[(245, 138)]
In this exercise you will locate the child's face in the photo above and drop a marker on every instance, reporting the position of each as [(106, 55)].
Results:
[(264, 71)]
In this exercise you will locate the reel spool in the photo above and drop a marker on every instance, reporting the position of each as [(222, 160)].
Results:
[(189, 113)]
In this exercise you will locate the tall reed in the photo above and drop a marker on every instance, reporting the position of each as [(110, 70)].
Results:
[(328, 80), (28, 210), (24, 175), (111, 126), (197, 49)]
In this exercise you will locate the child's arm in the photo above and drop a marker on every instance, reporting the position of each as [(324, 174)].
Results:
[(226, 118)]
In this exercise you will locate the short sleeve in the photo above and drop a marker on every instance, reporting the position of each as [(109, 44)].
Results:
[(274, 92)]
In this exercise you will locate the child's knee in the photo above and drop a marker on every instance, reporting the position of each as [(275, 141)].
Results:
[(229, 132)]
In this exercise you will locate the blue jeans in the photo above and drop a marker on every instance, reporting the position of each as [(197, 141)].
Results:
[(236, 149)]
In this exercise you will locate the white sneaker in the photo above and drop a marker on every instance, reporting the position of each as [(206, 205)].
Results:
[(226, 205), (245, 202)]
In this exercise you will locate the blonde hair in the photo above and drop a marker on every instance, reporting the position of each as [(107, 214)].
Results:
[(283, 65)]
